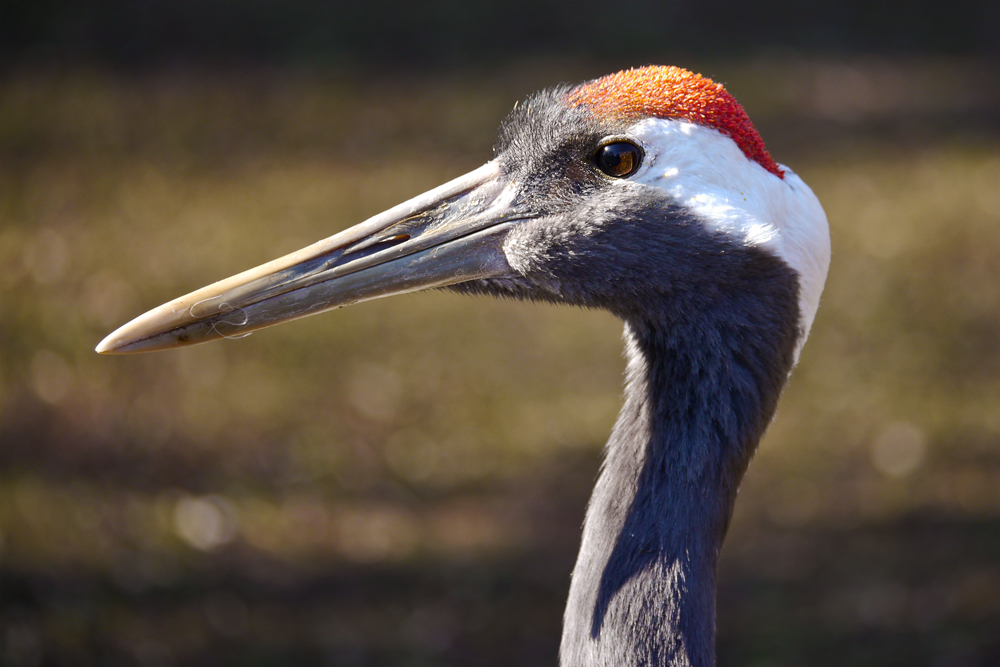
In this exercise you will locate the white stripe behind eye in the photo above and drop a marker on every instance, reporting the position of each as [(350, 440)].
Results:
[(706, 171)]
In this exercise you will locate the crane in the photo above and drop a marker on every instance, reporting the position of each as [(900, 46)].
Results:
[(647, 193)]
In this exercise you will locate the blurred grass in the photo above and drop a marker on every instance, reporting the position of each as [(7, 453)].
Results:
[(403, 482)]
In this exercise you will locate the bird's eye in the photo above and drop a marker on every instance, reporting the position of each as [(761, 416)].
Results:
[(619, 159)]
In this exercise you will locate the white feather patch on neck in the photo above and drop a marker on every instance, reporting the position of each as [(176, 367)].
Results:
[(705, 171)]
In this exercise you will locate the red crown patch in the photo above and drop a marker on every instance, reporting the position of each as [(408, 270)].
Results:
[(672, 92)]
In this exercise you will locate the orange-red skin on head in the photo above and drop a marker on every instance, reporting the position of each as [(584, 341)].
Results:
[(672, 92)]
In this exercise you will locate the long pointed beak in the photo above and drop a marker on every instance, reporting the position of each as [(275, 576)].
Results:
[(451, 234)]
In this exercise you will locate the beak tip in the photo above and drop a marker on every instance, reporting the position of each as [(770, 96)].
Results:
[(110, 345), (122, 340)]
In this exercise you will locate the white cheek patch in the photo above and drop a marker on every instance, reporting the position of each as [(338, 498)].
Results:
[(705, 171)]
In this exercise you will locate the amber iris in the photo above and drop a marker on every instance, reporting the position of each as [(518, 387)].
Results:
[(619, 159)]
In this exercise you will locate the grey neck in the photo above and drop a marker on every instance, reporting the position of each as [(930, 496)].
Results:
[(643, 589)]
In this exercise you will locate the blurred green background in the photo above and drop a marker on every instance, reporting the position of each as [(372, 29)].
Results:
[(403, 482)]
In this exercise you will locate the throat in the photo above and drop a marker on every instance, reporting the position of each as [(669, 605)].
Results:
[(643, 589)]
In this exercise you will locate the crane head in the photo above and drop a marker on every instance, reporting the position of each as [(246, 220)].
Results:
[(610, 194)]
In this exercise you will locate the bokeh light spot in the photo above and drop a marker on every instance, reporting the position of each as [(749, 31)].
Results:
[(204, 522), (899, 449)]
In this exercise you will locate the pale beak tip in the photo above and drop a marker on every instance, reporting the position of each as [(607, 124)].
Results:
[(110, 345), (123, 340)]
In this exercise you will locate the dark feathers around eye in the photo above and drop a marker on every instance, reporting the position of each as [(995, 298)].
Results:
[(548, 144)]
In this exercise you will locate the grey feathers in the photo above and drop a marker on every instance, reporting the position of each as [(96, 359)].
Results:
[(711, 327)]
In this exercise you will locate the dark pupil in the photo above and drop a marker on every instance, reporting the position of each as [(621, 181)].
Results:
[(619, 159)]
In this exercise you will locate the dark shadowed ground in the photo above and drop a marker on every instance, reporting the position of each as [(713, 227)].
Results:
[(403, 482)]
